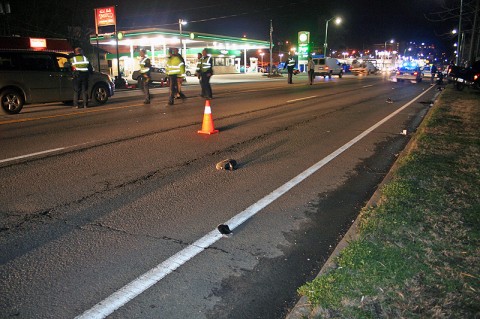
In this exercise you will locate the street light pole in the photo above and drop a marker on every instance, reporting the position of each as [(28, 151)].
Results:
[(325, 45), (459, 32), (180, 23)]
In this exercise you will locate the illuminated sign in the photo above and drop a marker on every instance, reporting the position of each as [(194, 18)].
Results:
[(38, 43), (105, 17), (303, 37), (303, 45)]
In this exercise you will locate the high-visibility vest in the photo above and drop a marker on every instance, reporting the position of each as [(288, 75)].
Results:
[(182, 70), (291, 62), (143, 67), (80, 63), (206, 65), (174, 64), (199, 66)]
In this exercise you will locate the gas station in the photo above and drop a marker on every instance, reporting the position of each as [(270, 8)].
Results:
[(227, 52)]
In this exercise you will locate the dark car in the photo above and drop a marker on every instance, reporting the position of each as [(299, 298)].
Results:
[(41, 77), (465, 76), (156, 74), (409, 73)]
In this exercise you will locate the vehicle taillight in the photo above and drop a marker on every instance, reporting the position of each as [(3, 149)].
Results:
[(476, 76), (326, 68), (398, 72), (415, 73)]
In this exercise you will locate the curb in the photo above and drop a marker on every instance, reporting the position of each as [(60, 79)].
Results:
[(302, 308)]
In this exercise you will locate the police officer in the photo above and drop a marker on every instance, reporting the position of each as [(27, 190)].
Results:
[(81, 68), (206, 73), (180, 76), (289, 65), (145, 66), (173, 70), (198, 71)]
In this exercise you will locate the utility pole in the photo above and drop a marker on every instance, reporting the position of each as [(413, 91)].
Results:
[(459, 33), (473, 52), (5, 11), (271, 47)]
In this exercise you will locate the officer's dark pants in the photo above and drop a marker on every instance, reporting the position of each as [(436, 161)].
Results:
[(80, 86), (206, 87), (173, 88), (311, 76), (290, 76), (146, 88)]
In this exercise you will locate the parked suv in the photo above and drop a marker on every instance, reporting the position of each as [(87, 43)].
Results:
[(40, 77)]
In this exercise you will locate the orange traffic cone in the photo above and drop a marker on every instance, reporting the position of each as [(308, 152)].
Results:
[(207, 125)]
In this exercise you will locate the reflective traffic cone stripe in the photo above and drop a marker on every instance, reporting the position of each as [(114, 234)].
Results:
[(207, 125)]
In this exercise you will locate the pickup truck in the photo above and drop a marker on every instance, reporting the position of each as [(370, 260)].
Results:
[(465, 76)]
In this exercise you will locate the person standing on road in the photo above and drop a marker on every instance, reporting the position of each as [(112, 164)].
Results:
[(433, 71), (206, 73), (198, 72), (81, 68), (311, 70), (145, 66), (180, 76), (173, 70), (289, 65)]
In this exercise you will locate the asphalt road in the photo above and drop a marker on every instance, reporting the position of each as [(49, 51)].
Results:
[(117, 205)]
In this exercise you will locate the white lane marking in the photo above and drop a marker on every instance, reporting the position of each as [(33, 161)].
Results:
[(367, 86), (145, 281), (303, 98), (32, 154), (46, 152)]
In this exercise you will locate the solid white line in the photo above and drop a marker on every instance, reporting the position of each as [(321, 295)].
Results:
[(32, 154), (303, 98), (367, 86), (145, 281)]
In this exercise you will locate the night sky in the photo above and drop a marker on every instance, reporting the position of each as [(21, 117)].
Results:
[(366, 22)]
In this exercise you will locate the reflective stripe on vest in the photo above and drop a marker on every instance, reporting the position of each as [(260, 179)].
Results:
[(291, 62), (80, 63), (143, 68), (206, 65), (173, 66)]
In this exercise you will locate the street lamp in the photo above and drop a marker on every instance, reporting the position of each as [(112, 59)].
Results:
[(338, 20), (261, 56), (385, 52), (180, 23)]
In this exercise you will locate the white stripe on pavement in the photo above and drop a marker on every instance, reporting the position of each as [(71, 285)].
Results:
[(303, 98), (31, 155), (145, 281)]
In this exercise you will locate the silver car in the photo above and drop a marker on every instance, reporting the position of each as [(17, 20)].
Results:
[(28, 77)]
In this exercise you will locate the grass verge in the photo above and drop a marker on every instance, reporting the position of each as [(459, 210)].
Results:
[(417, 254)]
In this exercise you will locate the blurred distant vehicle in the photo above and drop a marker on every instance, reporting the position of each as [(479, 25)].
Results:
[(156, 74), (427, 71), (328, 67), (363, 68), (410, 73), (190, 70)]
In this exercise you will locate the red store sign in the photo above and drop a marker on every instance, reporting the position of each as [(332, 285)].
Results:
[(105, 17)]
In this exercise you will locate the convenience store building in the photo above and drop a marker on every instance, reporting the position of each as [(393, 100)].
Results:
[(229, 54)]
